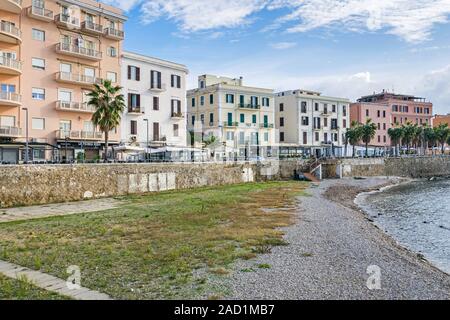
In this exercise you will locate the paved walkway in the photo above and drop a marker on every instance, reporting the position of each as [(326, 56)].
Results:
[(49, 282), (57, 209)]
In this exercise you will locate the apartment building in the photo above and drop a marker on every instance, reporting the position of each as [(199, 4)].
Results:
[(240, 117), (441, 119), (155, 91), (51, 54), (387, 109), (311, 122)]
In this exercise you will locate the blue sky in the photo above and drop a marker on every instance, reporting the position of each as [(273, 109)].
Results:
[(346, 48)]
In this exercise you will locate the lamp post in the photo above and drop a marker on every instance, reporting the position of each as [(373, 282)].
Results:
[(146, 147), (26, 136)]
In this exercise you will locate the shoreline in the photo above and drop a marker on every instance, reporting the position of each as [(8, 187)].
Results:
[(331, 245)]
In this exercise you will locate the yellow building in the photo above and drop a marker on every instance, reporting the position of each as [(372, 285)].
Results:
[(241, 118)]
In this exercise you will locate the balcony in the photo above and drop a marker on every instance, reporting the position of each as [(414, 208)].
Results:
[(177, 115), (135, 111), (326, 113), (114, 34), (10, 99), (13, 6), (72, 106), (156, 88), (40, 14), (266, 125), (72, 78), (10, 66), (10, 33), (10, 132), (68, 22), (79, 52), (78, 135), (227, 124), (92, 28), (249, 106)]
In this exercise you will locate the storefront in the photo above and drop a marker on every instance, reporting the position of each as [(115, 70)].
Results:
[(15, 152), (82, 151)]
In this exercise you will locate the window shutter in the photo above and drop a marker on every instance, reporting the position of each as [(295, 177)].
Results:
[(138, 100), (138, 74), (159, 80), (129, 72), (172, 106), (179, 106), (129, 100), (172, 81), (179, 82), (152, 79)]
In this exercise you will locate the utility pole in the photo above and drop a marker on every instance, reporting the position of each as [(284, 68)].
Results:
[(26, 136), (146, 147)]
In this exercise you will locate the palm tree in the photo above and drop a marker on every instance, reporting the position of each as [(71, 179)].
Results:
[(368, 131), (408, 135), (109, 105), (396, 135), (429, 137), (353, 135), (418, 138), (442, 133)]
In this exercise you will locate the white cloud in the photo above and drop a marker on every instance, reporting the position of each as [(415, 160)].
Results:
[(283, 45), (123, 4)]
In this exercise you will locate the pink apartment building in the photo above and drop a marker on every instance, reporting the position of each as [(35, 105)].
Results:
[(387, 109), (51, 54)]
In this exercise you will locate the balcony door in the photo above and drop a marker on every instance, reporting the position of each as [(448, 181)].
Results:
[(89, 74), (7, 121), (88, 126), (8, 88), (155, 131), (65, 95)]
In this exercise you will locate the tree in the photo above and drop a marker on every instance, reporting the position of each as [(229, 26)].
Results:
[(442, 133), (429, 137), (353, 135), (368, 131), (396, 135), (408, 135), (109, 105)]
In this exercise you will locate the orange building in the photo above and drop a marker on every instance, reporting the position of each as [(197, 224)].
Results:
[(51, 54), (439, 119)]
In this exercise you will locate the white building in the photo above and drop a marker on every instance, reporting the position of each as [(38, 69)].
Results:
[(317, 124), (155, 94)]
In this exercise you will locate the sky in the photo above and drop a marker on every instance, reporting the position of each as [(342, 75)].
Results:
[(344, 48)]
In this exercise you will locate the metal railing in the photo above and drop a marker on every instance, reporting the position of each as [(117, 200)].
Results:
[(134, 110), (10, 96), (248, 106), (230, 124), (114, 33), (79, 78), (74, 106), (68, 48), (266, 125), (42, 12), (68, 20), (10, 63), (89, 25), (9, 131), (75, 134), (8, 28), (177, 115)]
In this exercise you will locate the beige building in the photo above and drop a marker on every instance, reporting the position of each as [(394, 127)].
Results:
[(311, 122), (51, 54), (240, 117)]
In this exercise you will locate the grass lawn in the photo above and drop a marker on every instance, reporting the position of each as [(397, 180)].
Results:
[(12, 289), (172, 245)]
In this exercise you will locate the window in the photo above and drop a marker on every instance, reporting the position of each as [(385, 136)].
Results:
[(38, 63), (38, 123), (202, 100), (230, 135), (281, 136), (155, 103), (193, 120), (242, 118), (155, 79), (175, 130), (193, 102), (305, 121), (175, 81), (384, 126), (241, 100), (266, 102), (89, 73), (112, 76), (325, 122), (65, 125), (316, 106), (325, 137), (344, 123), (334, 124), (384, 113), (333, 108), (241, 137), (281, 107), (254, 101), (253, 118), (317, 123), (134, 101), (281, 122), (211, 99), (344, 111), (112, 52), (378, 113), (305, 138), (317, 137), (202, 118), (229, 98), (175, 107), (38, 94), (211, 118), (367, 112), (65, 95), (303, 107), (133, 127), (38, 35), (266, 136), (134, 73)]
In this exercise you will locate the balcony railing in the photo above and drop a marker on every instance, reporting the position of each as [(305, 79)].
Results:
[(136, 110), (7, 131), (248, 106), (65, 48), (177, 115), (74, 106), (266, 125), (76, 78), (230, 124), (92, 27), (78, 135), (158, 88), (11, 31), (9, 98), (40, 13), (114, 33), (12, 66), (68, 21)]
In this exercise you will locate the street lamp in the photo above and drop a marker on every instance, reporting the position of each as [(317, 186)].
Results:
[(26, 135), (146, 147)]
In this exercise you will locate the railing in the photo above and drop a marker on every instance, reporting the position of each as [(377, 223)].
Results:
[(134, 110), (73, 77), (230, 124), (67, 19), (10, 63), (177, 115), (10, 96), (114, 33), (74, 106), (9, 131), (156, 87), (248, 106), (85, 135), (10, 29), (89, 25), (266, 125), (91, 53), (42, 12)]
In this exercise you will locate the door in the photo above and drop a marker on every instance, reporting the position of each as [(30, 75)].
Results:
[(65, 126), (64, 95), (266, 121), (230, 118), (155, 131), (9, 156), (88, 126), (89, 74), (7, 121)]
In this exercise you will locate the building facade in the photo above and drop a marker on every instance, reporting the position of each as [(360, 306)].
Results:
[(155, 91), (241, 118), (387, 110), (315, 123), (439, 119), (51, 54)]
